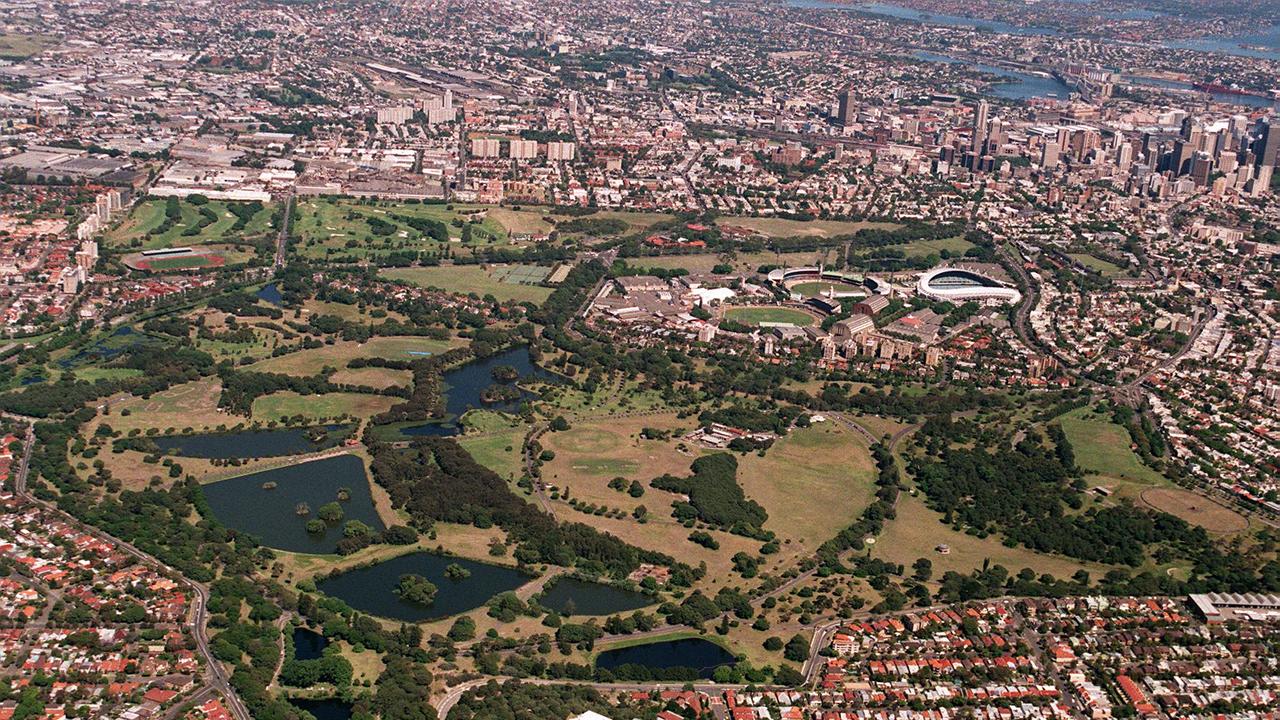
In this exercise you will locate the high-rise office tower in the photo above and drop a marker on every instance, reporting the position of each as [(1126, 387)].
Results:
[(848, 107), (1268, 144), (980, 125)]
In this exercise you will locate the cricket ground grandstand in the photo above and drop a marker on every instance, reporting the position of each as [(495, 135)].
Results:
[(965, 283)]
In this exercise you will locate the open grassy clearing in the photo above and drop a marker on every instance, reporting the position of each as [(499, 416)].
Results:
[(337, 355), (333, 228), (1103, 450), (375, 377), (813, 482), (500, 452), (815, 289), (464, 279), (350, 313), (190, 405), (742, 262), (1197, 509), (917, 531), (590, 454), (761, 315), (532, 222), (149, 215), (609, 399), (277, 406), (19, 46), (779, 227), (1093, 262)]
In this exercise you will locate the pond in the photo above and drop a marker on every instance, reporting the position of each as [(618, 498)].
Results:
[(246, 444), (371, 589), (270, 513), (326, 709), (573, 596), (308, 644), (698, 654), (464, 385), (270, 293), (122, 340)]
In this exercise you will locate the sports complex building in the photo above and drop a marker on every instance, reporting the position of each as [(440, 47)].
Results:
[(961, 284)]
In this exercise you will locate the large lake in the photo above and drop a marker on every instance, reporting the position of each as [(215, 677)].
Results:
[(572, 596), (270, 515), (246, 444), (698, 654), (463, 385), (371, 589)]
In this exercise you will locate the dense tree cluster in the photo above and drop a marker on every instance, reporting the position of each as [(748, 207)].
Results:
[(435, 479), (714, 495)]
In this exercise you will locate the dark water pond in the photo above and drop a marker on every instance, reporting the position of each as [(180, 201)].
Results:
[(701, 655), (247, 444), (464, 384), (308, 644), (572, 596), (370, 589), (270, 293), (327, 709), (122, 340), (270, 514)]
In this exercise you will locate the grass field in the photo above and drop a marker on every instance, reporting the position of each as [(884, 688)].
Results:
[(758, 315), (813, 482), (337, 355), (1106, 268), (374, 377), (591, 453), (148, 215), (468, 279), (1103, 450), (339, 228), (19, 46), (777, 227), (917, 531), (814, 289), (1196, 509), (190, 405), (500, 452), (330, 405)]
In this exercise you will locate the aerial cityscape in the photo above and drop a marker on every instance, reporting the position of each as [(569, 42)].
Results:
[(639, 359)]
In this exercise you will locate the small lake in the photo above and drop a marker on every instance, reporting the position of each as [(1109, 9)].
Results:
[(463, 385), (701, 655), (1021, 86), (573, 596), (122, 340), (327, 709), (248, 444), (308, 644), (370, 589), (270, 293), (243, 504)]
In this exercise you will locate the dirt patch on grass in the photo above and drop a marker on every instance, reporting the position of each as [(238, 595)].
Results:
[(1196, 509)]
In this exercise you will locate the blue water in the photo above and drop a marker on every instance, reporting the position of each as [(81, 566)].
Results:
[(571, 596), (463, 385), (1023, 86), (243, 504), (1243, 100), (1268, 38), (247, 444), (308, 644), (271, 294), (371, 589), (701, 655), (328, 709), (905, 13)]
